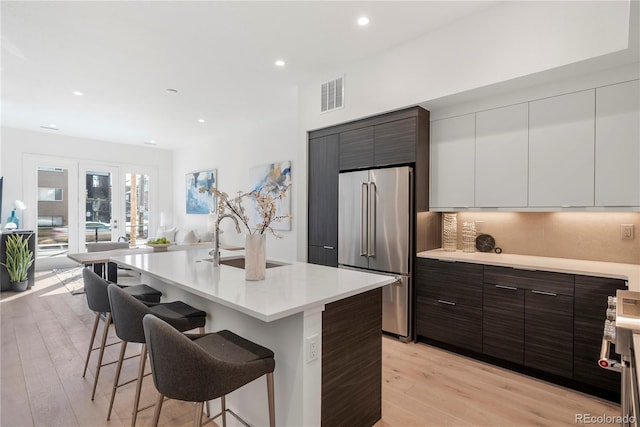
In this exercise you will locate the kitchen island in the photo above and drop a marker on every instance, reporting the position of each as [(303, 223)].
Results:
[(309, 315)]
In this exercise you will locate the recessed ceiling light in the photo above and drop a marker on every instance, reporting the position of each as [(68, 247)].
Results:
[(50, 127), (151, 142), (280, 63), (201, 120), (363, 20), (77, 93), (172, 90)]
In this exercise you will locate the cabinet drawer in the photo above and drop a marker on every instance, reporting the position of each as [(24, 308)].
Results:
[(457, 282), (542, 281), (456, 325)]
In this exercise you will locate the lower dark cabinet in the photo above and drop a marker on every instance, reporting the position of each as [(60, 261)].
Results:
[(456, 325), (323, 255), (503, 322), (449, 303), (590, 313), (542, 323), (548, 333)]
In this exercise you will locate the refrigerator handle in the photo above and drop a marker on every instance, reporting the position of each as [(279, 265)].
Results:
[(364, 216), (371, 244)]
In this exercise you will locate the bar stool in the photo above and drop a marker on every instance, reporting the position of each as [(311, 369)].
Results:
[(128, 313), (98, 301), (201, 368)]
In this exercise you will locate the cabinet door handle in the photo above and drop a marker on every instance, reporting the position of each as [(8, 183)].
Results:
[(511, 288), (441, 301), (551, 294), (328, 247)]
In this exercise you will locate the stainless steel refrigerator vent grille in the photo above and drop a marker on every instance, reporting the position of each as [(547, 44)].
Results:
[(332, 95)]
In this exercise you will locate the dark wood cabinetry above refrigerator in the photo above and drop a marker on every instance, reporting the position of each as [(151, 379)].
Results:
[(391, 139)]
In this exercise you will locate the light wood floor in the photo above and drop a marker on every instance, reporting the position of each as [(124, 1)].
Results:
[(44, 336)]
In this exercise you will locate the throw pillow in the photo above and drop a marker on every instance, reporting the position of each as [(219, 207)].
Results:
[(187, 238), (207, 236)]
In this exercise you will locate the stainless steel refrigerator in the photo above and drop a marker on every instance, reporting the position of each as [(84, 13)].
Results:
[(374, 233)]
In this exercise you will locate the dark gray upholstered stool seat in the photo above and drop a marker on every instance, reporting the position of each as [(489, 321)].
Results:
[(128, 313), (98, 301), (199, 368)]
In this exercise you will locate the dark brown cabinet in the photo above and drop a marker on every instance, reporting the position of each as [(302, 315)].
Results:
[(548, 332), (356, 148), (323, 200), (543, 323), (528, 318), (449, 303), (590, 312), (390, 143), (390, 139), (395, 142), (503, 322)]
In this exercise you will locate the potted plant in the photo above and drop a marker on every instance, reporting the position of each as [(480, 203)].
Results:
[(19, 260)]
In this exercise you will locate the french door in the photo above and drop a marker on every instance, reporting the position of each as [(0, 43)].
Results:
[(100, 216), (71, 202)]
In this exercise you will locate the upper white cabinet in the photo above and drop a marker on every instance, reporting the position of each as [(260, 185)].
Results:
[(502, 138), (561, 150), (617, 180), (452, 162)]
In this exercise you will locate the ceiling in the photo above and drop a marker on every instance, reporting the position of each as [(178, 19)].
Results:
[(217, 56)]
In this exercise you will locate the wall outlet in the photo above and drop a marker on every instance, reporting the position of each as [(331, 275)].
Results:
[(626, 231), (313, 348)]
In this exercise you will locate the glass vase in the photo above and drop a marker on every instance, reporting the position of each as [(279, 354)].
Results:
[(255, 257), (14, 219), (468, 237), (450, 232)]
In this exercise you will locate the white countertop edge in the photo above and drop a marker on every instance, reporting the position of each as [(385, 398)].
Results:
[(122, 260), (628, 272)]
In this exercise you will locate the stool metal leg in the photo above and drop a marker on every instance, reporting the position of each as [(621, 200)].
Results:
[(136, 402), (197, 419), (105, 332), (156, 413), (223, 405), (117, 378), (93, 337), (271, 397)]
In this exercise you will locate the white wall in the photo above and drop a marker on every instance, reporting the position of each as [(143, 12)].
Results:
[(265, 139), (509, 41), (17, 143)]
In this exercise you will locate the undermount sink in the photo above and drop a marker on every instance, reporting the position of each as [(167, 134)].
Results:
[(238, 262)]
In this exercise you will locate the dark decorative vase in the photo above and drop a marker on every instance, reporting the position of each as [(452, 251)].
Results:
[(19, 286)]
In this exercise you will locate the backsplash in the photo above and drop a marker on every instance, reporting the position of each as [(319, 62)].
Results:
[(580, 235)]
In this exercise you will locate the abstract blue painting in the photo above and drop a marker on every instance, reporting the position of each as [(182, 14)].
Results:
[(200, 200), (274, 178)]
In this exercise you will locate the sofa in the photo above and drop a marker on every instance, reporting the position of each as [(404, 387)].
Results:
[(186, 238)]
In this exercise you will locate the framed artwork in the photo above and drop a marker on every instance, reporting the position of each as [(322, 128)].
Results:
[(275, 178), (199, 198)]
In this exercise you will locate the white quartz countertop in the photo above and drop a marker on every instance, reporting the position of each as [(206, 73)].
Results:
[(628, 272), (287, 289)]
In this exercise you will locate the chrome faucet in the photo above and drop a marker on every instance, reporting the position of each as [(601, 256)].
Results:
[(216, 240)]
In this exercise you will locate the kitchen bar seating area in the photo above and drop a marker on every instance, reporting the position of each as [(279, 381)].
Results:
[(50, 330)]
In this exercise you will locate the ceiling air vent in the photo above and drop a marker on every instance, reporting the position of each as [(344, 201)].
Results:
[(332, 95)]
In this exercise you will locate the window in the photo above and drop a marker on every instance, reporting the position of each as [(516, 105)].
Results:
[(49, 194)]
